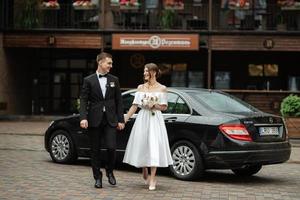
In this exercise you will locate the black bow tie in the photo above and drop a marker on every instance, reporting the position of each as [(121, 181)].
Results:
[(101, 76)]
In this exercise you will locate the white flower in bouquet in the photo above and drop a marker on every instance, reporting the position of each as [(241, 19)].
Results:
[(149, 101)]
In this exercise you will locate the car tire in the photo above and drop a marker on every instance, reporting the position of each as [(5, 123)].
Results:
[(187, 161), (247, 170), (61, 147)]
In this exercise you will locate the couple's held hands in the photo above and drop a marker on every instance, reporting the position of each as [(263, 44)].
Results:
[(84, 124), (120, 126)]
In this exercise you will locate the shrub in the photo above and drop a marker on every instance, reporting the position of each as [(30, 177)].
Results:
[(290, 106)]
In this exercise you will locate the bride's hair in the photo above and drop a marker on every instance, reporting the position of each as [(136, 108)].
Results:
[(153, 67)]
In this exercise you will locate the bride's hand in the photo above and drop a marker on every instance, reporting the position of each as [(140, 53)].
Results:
[(148, 106), (151, 106), (156, 107)]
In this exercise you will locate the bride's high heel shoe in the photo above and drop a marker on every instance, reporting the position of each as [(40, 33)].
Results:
[(152, 185)]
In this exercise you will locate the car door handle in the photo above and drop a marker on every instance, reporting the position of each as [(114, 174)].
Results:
[(171, 119)]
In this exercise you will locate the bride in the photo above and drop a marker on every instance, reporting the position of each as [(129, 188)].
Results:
[(148, 144)]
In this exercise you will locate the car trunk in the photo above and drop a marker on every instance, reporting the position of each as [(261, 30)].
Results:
[(266, 128), (263, 127)]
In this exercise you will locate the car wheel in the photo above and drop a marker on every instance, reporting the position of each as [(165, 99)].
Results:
[(248, 170), (62, 149), (187, 162)]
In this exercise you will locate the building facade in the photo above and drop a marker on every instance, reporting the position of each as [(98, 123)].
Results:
[(249, 48)]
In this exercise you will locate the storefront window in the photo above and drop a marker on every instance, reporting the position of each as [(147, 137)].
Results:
[(263, 76), (222, 80), (181, 76), (261, 70), (294, 83), (196, 79), (178, 77)]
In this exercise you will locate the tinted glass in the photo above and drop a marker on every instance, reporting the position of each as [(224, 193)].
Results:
[(127, 101), (176, 105), (181, 107), (221, 102), (172, 99)]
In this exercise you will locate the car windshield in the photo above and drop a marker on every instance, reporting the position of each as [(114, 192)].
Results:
[(222, 102)]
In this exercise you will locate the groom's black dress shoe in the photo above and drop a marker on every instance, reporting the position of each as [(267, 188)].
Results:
[(98, 183), (111, 178)]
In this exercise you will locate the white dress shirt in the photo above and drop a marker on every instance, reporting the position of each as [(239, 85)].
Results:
[(103, 83)]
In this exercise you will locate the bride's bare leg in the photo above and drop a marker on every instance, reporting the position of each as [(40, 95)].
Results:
[(145, 173), (152, 185)]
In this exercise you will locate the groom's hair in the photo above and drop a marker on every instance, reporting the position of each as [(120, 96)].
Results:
[(103, 55)]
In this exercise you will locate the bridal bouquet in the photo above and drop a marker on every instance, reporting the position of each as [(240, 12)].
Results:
[(149, 101)]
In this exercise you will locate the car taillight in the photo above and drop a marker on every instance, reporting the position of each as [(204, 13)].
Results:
[(236, 131)]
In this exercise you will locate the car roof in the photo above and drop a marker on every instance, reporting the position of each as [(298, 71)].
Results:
[(182, 89)]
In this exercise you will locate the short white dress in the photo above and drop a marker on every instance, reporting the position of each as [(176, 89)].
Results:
[(148, 144)]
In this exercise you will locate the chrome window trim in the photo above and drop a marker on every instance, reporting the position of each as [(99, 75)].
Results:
[(169, 91)]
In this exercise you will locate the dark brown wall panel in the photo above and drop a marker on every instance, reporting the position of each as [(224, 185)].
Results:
[(82, 41), (255, 43)]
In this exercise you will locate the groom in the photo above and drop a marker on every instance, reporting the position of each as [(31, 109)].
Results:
[(101, 112)]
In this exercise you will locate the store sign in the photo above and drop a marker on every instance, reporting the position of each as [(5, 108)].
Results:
[(155, 42)]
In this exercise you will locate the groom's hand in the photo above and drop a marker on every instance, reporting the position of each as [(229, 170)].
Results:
[(84, 124), (120, 126)]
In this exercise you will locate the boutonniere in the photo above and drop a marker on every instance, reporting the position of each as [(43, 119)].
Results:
[(112, 84)]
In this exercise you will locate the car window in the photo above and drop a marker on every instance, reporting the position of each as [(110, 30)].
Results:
[(127, 101), (181, 107), (176, 104), (172, 99), (222, 102)]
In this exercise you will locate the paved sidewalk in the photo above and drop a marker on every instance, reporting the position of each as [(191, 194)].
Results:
[(27, 172), (23, 128)]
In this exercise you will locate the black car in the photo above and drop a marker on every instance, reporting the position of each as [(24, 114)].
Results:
[(207, 129)]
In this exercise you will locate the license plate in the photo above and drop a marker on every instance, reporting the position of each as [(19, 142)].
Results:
[(268, 131)]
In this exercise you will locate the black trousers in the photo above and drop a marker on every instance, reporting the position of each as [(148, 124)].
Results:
[(102, 137)]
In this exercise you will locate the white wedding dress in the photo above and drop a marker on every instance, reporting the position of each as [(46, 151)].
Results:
[(148, 144)]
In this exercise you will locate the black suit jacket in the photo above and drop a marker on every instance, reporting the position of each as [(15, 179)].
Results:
[(92, 101)]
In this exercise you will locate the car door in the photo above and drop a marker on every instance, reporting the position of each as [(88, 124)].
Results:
[(123, 136), (177, 113)]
